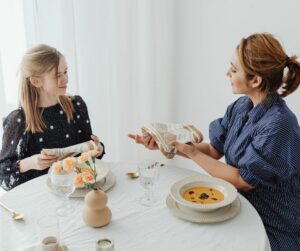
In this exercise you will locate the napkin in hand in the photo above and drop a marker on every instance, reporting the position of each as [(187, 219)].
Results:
[(164, 133), (73, 150)]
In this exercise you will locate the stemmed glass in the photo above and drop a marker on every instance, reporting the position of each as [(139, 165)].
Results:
[(148, 171), (63, 185)]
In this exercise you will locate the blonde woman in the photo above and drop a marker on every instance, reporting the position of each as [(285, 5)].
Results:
[(46, 118), (259, 137)]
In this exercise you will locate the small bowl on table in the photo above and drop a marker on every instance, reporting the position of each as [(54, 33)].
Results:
[(199, 193)]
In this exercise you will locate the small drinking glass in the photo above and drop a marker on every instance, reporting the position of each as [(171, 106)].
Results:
[(63, 185), (149, 172)]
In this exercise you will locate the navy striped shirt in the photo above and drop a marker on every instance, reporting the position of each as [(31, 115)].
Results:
[(264, 143)]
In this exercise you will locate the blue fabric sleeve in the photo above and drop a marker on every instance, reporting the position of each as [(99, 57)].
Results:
[(218, 129), (268, 159), (217, 135)]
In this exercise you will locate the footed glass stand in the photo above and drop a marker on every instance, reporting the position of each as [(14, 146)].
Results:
[(63, 184), (149, 172)]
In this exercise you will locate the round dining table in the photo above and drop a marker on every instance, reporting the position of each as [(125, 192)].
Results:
[(133, 226)]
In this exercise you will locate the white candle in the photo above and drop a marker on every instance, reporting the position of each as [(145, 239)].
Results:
[(104, 244)]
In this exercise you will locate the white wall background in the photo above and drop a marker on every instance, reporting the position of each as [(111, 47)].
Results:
[(137, 61), (120, 56), (206, 34)]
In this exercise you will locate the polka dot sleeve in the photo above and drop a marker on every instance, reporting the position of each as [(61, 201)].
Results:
[(13, 129), (81, 117)]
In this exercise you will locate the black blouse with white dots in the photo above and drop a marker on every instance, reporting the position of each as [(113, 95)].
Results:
[(18, 144)]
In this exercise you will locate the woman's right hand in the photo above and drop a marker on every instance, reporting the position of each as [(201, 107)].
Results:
[(37, 162), (147, 141)]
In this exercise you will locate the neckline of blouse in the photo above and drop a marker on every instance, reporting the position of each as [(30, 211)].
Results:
[(255, 113), (49, 107)]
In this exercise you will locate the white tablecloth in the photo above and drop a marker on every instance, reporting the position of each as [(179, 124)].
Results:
[(133, 227)]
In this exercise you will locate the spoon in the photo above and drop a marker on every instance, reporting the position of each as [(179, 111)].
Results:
[(14, 215), (133, 175)]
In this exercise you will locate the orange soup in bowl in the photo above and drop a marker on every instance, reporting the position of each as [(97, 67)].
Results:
[(203, 195)]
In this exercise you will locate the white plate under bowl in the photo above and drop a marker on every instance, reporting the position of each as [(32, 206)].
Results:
[(218, 215), (227, 189), (105, 184)]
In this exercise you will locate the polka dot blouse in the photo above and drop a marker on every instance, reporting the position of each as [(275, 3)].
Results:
[(18, 144)]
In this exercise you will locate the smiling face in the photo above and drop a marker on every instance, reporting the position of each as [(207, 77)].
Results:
[(55, 83)]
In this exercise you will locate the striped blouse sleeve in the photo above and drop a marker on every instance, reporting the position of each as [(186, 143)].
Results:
[(218, 129), (273, 155)]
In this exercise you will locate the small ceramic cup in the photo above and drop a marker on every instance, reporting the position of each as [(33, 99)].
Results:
[(47, 225), (49, 243), (105, 244)]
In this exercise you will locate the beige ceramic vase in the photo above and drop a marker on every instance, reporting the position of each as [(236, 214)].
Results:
[(95, 212)]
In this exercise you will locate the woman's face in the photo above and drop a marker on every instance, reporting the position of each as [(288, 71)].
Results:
[(55, 83), (237, 76)]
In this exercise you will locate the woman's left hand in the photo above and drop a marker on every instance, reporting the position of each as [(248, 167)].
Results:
[(187, 149), (97, 142)]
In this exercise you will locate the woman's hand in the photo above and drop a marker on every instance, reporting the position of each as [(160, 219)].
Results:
[(188, 150), (99, 146), (37, 162), (147, 141)]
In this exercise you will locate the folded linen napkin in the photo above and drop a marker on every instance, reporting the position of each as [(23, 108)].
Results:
[(73, 150), (164, 133)]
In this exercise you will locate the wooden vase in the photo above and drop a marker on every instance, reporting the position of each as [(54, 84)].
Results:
[(95, 212)]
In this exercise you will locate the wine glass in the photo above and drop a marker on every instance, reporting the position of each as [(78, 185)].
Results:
[(148, 171), (63, 185)]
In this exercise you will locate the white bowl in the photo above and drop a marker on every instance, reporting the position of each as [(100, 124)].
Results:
[(228, 190)]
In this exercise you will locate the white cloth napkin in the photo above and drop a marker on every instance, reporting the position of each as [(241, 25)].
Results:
[(164, 133), (73, 150)]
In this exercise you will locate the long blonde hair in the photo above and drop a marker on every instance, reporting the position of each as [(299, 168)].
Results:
[(37, 61), (261, 54)]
